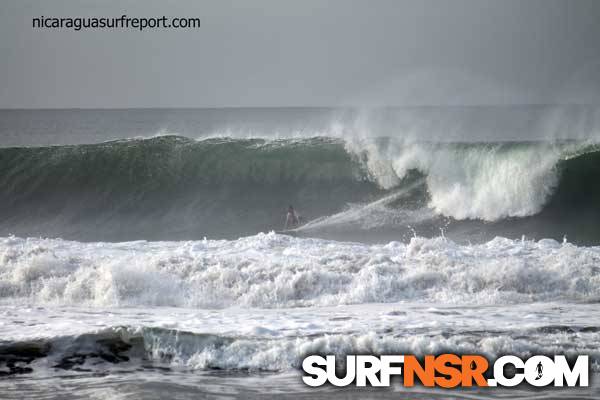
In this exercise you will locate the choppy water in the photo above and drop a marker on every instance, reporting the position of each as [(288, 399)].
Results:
[(137, 267), (95, 315)]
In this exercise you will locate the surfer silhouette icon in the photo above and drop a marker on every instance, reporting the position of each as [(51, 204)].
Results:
[(539, 368)]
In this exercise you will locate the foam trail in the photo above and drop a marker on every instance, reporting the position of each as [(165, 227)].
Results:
[(374, 214)]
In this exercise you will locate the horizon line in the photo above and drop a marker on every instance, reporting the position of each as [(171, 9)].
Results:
[(262, 107)]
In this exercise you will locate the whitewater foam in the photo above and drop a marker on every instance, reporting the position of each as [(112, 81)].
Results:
[(272, 270), (489, 182)]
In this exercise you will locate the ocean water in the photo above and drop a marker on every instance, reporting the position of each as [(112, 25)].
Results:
[(143, 253)]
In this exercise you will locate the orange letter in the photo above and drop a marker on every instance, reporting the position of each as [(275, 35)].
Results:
[(452, 376), (412, 366), (473, 367)]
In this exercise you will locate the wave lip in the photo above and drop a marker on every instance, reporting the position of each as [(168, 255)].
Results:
[(273, 271)]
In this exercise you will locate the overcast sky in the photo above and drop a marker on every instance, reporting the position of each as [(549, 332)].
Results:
[(304, 53)]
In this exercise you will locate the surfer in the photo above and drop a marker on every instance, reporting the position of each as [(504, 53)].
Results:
[(291, 219)]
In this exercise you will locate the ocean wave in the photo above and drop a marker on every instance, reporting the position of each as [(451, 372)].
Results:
[(148, 346), (171, 187)]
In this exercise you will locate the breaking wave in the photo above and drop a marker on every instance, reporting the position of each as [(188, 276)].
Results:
[(148, 346), (176, 188)]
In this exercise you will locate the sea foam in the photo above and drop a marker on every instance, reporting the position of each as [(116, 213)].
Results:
[(486, 181), (273, 270)]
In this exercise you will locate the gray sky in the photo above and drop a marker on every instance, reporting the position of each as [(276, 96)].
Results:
[(304, 53)]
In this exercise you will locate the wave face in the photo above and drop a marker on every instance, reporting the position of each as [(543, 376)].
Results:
[(274, 271), (175, 188)]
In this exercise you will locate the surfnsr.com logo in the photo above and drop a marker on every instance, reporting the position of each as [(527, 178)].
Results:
[(446, 371)]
